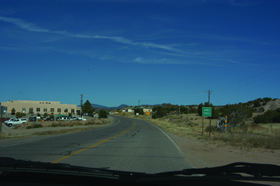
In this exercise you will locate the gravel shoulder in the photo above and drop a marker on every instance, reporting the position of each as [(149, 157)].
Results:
[(202, 154)]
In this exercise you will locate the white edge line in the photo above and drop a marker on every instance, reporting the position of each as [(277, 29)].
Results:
[(171, 141), (167, 137)]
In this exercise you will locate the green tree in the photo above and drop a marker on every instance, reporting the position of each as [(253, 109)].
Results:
[(193, 109), (13, 111), (87, 108), (160, 111), (257, 103), (270, 116), (139, 111), (45, 114), (19, 114), (184, 109), (237, 114), (103, 113)]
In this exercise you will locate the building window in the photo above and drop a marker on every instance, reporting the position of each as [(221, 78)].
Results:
[(45, 110), (78, 112), (52, 109), (30, 110), (59, 110), (66, 110), (23, 109), (72, 111), (38, 109)]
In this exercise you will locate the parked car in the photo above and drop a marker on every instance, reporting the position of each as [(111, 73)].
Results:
[(63, 118), (74, 118), (33, 118), (83, 119), (49, 119), (16, 122), (23, 120), (7, 121)]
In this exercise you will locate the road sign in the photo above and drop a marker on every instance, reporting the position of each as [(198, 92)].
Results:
[(206, 111), (148, 113)]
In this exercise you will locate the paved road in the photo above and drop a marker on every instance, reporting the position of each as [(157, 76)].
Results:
[(129, 145)]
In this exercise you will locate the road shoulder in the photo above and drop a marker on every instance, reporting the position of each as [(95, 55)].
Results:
[(202, 154)]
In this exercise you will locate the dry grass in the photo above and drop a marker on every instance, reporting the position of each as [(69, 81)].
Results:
[(95, 121), (48, 127), (250, 136), (61, 131)]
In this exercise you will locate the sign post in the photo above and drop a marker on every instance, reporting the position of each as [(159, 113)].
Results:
[(207, 111), (226, 127), (202, 124)]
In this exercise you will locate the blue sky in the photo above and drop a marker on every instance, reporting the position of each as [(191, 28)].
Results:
[(157, 51)]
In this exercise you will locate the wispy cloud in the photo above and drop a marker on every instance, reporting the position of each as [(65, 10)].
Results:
[(33, 28), (181, 56)]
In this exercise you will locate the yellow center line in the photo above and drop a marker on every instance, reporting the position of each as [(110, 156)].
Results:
[(98, 143)]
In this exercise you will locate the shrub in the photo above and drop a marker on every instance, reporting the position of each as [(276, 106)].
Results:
[(13, 111), (257, 103), (159, 112), (138, 110), (19, 114), (270, 116), (34, 126), (103, 114), (213, 128)]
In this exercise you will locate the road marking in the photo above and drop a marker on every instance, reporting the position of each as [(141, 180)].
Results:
[(171, 141), (98, 143), (167, 137)]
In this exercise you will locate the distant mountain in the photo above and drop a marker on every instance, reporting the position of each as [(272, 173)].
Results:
[(99, 106), (119, 107), (109, 108)]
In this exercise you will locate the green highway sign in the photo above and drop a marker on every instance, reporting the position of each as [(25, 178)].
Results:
[(206, 111)]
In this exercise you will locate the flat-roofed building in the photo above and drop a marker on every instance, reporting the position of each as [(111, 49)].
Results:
[(41, 107)]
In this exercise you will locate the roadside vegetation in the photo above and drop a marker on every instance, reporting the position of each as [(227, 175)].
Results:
[(54, 127), (248, 126)]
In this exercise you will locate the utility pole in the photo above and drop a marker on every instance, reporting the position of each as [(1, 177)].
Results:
[(81, 104), (138, 102), (209, 92), (1, 121)]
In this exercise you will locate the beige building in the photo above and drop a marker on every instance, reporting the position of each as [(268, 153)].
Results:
[(41, 107)]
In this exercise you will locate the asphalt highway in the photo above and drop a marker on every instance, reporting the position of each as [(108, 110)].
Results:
[(128, 145)]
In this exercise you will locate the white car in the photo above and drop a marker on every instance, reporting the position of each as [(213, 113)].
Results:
[(11, 119), (16, 121), (83, 119)]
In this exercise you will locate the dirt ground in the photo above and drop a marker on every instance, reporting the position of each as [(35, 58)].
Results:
[(202, 154)]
